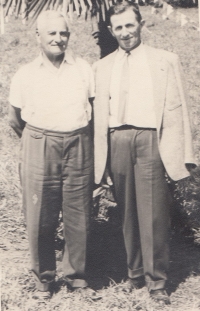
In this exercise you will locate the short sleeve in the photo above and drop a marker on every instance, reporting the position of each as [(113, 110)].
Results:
[(15, 97), (91, 92)]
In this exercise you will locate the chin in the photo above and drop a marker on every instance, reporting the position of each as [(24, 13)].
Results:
[(58, 53), (56, 50), (127, 47)]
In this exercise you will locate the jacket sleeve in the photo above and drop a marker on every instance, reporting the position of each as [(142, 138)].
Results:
[(189, 153)]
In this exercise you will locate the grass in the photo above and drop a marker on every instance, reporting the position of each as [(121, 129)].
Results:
[(18, 46)]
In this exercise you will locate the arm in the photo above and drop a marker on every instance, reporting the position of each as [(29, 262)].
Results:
[(15, 120), (106, 181), (16, 102), (187, 122)]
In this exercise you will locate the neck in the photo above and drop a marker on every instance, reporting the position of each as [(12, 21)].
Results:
[(135, 46), (56, 60)]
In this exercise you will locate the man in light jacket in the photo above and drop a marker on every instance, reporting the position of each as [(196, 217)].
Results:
[(142, 130)]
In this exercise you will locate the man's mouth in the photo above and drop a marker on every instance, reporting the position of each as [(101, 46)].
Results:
[(126, 39)]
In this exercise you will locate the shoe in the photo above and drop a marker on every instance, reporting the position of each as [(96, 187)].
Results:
[(42, 295), (160, 296), (131, 284), (87, 292)]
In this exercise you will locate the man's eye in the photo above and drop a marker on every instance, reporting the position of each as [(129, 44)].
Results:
[(64, 34), (52, 33), (130, 26)]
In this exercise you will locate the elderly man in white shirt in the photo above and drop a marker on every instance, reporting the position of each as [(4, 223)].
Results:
[(50, 109)]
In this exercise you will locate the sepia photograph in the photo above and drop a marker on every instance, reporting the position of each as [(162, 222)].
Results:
[(100, 155)]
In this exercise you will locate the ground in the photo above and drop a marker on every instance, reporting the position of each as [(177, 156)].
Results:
[(107, 258)]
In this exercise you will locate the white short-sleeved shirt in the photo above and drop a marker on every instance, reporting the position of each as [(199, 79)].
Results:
[(51, 98)]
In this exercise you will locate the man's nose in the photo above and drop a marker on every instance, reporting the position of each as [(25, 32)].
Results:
[(57, 37), (124, 32)]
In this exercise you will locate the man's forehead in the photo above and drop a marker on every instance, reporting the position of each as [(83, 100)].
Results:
[(124, 17), (57, 22), (52, 23)]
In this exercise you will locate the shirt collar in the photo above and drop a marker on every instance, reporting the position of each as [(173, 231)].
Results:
[(133, 52), (68, 58)]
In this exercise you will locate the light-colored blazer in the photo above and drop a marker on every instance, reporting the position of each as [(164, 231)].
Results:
[(173, 125)]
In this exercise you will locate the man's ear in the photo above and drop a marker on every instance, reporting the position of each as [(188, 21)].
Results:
[(37, 36), (110, 30), (142, 23)]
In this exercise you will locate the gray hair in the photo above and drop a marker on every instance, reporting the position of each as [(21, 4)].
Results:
[(47, 15)]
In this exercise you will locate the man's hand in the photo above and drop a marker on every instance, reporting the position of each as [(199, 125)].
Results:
[(106, 180), (15, 120), (191, 167)]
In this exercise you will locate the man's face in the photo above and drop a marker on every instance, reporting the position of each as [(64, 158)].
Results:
[(126, 29), (53, 37)]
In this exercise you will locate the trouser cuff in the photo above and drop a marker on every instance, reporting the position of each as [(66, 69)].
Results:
[(76, 282), (135, 273), (44, 284), (154, 285), (43, 287)]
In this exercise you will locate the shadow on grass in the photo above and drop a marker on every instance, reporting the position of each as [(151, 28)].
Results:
[(107, 258), (184, 259)]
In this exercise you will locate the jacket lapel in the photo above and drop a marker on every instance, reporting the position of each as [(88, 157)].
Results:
[(105, 72), (103, 77), (158, 71)]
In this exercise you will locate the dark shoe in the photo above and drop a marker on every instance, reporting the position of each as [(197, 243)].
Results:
[(160, 296), (44, 291), (41, 295), (87, 292), (131, 284)]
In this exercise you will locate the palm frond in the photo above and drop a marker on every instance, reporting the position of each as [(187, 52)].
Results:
[(8, 6), (18, 7), (32, 8), (77, 7), (38, 9)]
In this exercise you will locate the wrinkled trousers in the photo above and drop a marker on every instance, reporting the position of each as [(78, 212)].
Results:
[(142, 195), (56, 171)]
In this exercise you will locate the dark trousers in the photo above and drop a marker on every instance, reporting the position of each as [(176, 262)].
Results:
[(57, 175), (142, 194)]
